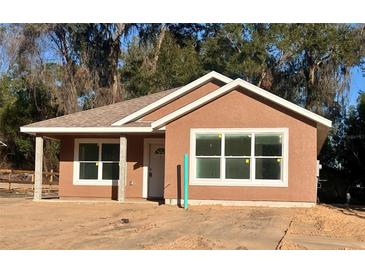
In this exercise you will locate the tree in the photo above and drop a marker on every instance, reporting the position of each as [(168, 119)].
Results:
[(91, 55), (352, 148), (93, 51), (23, 108), (177, 64), (308, 64), (88, 56)]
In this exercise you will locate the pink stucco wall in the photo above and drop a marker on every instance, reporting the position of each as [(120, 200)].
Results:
[(242, 109)]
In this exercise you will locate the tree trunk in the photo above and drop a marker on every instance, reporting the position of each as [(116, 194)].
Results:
[(115, 87), (160, 39), (70, 92), (310, 98), (115, 57), (262, 77)]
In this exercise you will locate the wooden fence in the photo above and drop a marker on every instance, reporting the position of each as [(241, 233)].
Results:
[(49, 178)]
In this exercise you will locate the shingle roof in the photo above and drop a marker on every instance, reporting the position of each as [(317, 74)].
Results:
[(104, 116)]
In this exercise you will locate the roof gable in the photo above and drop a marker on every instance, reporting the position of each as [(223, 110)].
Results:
[(243, 84), (174, 95), (182, 101)]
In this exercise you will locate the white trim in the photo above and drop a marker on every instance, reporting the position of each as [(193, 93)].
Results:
[(242, 203), (172, 96), (252, 182), (76, 164), (84, 129), (230, 86), (146, 161)]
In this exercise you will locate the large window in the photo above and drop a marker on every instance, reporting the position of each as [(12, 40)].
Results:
[(96, 161), (239, 157)]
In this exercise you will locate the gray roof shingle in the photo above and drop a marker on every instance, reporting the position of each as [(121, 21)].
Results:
[(104, 116)]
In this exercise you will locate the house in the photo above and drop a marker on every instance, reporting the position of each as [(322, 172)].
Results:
[(245, 146)]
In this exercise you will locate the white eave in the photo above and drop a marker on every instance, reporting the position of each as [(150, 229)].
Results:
[(33, 130), (229, 87), (174, 95)]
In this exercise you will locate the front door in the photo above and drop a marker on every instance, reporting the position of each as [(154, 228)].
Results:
[(156, 171)]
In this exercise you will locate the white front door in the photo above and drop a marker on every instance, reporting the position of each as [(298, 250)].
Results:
[(156, 171)]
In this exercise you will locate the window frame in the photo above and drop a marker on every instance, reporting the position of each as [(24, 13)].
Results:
[(76, 166), (252, 181)]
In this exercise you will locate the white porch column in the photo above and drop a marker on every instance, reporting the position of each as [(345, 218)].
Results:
[(38, 171), (122, 169)]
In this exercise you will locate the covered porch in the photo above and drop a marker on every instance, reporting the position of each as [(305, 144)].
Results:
[(128, 167)]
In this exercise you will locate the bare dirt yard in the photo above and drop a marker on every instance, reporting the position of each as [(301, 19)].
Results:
[(326, 227), (52, 224)]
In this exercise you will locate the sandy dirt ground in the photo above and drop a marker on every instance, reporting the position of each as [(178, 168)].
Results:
[(25, 224), (326, 227)]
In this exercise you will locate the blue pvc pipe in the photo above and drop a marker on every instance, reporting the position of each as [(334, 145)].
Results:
[(186, 180)]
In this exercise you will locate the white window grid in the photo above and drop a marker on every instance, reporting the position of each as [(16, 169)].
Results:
[(252, 181), (99, 163)]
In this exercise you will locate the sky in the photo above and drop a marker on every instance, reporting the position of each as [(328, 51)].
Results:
[(357, 84)]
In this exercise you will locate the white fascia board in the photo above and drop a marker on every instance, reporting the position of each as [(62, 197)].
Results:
[(84, 129), (232, 85), (170, 97)]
